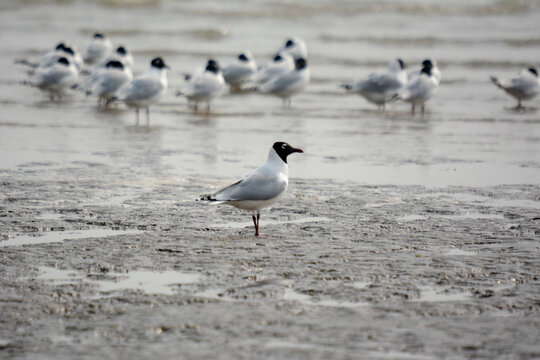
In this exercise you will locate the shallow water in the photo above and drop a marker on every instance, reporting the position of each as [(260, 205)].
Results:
[(400, 237)]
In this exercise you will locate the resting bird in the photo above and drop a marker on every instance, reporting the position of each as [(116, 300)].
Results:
[(98, 49), (290, 83), (259, 188), (56, 78), (281, 63), (381, 87), (205, 86), (145, 89), (296, 47), (106, 81), (420, 88), (240, 72), (524, 86)]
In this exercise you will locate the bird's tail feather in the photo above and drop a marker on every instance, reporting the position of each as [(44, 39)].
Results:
[(209, 199), (495, 81), (347, 87)]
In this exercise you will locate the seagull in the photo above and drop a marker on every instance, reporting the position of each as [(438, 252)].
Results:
[(381, 87), (121, 54), (56, 78), (281, 63), (289, 83), (240, 72), (260, 188), (420, 88), (296, 47), (524, 86), (106, 81), (61, 50), (145, 89), (205, 86), (434, 70), (98, 49)]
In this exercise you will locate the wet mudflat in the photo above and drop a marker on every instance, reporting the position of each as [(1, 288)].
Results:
[(400, 237)]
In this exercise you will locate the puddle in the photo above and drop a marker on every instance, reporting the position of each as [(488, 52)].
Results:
[(242, 225), (59, 236), (459, 252), (411, 218), (292, 295), (430, 294), (151, 282)]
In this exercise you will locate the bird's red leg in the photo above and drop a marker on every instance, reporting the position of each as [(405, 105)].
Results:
[(256, 224)]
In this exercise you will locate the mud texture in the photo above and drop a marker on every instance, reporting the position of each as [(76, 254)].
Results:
[(347, 271)]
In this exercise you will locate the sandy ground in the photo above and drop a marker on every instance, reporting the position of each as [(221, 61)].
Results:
[(347, 271)]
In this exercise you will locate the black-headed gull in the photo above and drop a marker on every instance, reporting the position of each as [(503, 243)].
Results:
[(106, 81), (381, 87), (281, 63), (61, 50), (240, 72), (434, 70), (420, 88), (260, 188), (524, 86), (56, 78), (206, 86), (97, 51), (145, 89), (296, 47), (289, 83)]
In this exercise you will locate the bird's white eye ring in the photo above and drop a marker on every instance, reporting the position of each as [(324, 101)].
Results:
[(283, 146)]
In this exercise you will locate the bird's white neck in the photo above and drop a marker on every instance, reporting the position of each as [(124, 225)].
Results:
[(275, 163)]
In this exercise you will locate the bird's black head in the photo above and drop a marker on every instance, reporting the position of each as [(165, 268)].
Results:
[(427, 62), (212, 66), (159, 63), (289, 43), (63, 61), (283, 150), (243, 57), (401, 63), (60, 46), (68, 50), (277, 58), (121, 50), (114, 64), (99, 36), (300, 63), (426, 68), (533, 71)]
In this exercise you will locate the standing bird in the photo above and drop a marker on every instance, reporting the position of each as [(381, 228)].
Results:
[(98, 50), (205, 86), (61, 50), (434, 70), (56, 78), (296, 47), (381, 87), (259, 188), (289, 83), (106, 81), (524, 86), (240, 72), (420, 88), (281, 63), (145, 89)]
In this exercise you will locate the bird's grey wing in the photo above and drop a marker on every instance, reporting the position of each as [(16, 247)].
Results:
[(141, 89), (283, 82), (380, 83), (253, 187)]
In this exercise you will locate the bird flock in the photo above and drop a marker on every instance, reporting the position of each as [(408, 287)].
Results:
[(105, 72), (110, 78)]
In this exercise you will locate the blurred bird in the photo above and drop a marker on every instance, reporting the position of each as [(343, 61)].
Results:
[(98, 50), (57, 78), (524, 86), (420, 88), (240, 72), (145, 89), (434, 70), (106, 81), (289, 83), (206, 86), (381, 87), (296, 47), (281, 63), (260, 188)]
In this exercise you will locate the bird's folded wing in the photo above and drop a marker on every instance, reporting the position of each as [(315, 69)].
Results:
[(141, 88), (253, 187)]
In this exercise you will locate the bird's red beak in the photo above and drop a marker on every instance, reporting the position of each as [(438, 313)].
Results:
[(298, 150)]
